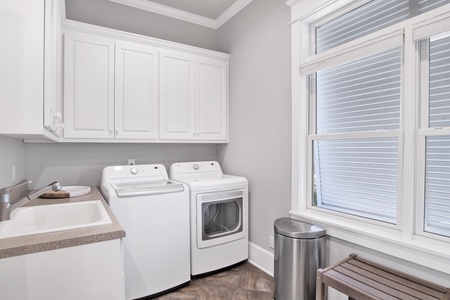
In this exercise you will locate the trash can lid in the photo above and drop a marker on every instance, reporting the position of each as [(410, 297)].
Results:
[(296, 229)]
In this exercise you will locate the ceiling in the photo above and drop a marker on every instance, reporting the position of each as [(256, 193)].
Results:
[(211, 9), (208, 13)]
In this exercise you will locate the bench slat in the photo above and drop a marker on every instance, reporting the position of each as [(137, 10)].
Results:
[(352, 287), (396, 281), (401, 278), (379, 285)]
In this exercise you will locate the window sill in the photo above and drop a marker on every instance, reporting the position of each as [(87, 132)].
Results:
[(389, 240)]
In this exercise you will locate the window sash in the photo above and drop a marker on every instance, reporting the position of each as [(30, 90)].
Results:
[(352, 51), (433, 203), (358, 175)]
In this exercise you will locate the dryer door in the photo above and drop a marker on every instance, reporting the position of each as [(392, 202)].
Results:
[(220, 217)]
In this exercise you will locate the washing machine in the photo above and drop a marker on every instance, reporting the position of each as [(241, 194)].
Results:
[(154, 212), (219, 215)]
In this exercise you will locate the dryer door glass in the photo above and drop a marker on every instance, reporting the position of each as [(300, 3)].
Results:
[(221, 218)]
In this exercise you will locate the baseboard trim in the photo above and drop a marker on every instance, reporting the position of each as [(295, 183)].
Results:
[(261, 258)]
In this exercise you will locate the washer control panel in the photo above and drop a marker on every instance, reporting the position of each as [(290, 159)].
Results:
[(134, 171), (192, 169)]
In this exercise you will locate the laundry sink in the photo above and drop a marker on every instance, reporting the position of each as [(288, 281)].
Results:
[(54, 217)]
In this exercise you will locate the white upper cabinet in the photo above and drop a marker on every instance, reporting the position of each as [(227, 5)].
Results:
[(136, 91), (194, 98), (110, 88), (28, 31), (177, 98), (127, 88)]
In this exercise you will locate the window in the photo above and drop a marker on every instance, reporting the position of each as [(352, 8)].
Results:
[(356, 171), (435, 57), (371, 123)]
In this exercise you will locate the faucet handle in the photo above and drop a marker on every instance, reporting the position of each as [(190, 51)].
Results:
[(22, 187)]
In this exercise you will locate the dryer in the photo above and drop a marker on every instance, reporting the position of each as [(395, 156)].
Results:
[(219, 215)]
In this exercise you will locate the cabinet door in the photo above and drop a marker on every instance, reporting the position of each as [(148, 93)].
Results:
[(177, 96), (136, 91), (212, 99), (88, 86), (52, 115), (21, 67)]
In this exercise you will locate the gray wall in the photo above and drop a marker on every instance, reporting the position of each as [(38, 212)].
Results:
[(258, 39), (11, 154), (82, 164), (116, 16)]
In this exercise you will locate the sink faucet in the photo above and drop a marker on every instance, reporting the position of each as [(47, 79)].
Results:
[(17, 195)]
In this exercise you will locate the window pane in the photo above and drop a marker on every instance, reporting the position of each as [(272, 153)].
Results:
[(427, 5), (357, 176), (368, 18), (363, 95), (437, 185), (440, 83)]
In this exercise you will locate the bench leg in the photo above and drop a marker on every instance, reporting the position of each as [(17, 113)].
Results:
[(321, 291)]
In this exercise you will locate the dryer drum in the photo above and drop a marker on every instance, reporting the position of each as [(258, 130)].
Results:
[(221, 218)]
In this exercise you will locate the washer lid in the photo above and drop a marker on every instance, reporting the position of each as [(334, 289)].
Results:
[(296, 229)]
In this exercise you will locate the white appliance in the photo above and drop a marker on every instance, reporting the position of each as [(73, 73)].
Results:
[(154, 212), (219, 215)]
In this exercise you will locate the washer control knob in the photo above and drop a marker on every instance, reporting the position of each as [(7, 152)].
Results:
[(196, 167), (134, 171)]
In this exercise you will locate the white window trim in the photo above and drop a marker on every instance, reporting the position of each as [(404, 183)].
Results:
[(400, 241)]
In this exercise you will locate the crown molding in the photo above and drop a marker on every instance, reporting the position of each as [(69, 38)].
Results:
[(231, 11), (186, 16)]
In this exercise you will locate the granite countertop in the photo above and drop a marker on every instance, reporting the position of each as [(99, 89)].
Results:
[(21, 245)]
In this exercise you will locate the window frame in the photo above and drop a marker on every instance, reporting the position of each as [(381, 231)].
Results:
[(402, 240)]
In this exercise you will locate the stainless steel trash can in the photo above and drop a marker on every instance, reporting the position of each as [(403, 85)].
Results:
[(299, 252)]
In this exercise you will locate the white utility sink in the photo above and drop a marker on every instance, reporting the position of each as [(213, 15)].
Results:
[(54, 217)]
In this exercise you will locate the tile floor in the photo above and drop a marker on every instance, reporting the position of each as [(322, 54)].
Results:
[(244, 281)]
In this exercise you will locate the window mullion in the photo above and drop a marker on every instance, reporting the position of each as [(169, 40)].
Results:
[(407, 165)]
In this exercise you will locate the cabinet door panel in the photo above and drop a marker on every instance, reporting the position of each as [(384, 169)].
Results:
[(212, 93), (177, 100), (21, 66), (88, 86), (136, 95)]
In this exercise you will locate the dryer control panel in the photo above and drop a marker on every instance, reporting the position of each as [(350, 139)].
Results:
[(193, 169)]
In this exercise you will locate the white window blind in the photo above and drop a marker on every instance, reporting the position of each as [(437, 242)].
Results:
[(368, 18), (359, 22), (427, 5), (363, 95), (357, 112), (357, 176), (437, 158), (439, 115), (437, 186)]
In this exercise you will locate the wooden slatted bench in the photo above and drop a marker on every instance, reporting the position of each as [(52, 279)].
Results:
[(361, 279)]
